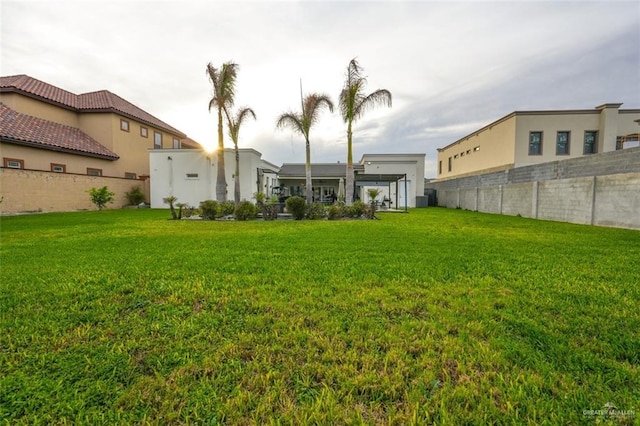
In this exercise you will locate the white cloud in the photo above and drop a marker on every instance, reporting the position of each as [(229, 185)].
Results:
[(452, 67)]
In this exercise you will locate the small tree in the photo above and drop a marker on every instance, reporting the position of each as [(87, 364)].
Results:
[(373, 194), (170, 200), (101, 196), (180, 207)]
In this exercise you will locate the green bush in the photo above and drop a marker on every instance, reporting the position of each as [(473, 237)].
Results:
[(209, 209), (297, 206), (356, 210), (335, 211), (101, 196), (226, 208), (135, 196), (316, 211), (246, 210)]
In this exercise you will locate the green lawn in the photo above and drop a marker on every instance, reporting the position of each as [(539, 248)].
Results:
[(433, 317)]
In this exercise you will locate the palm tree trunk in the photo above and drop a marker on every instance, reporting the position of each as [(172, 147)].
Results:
[(221, 179), (350, 176), (308, 175), (236, 179)]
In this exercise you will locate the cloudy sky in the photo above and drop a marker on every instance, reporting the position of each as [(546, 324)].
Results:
[(452, 67)]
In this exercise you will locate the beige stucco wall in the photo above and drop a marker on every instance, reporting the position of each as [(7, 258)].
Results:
[(41, 159), (35, 108), (487, 149), (550, 125), (31, 191), (505, 144)]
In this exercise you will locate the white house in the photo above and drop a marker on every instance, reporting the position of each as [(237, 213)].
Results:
[(400, 177), (190, 175)]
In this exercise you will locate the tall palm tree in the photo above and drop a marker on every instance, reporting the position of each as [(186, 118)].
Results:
[(353, 104), (223, 80), (302, 123), (234, 123)]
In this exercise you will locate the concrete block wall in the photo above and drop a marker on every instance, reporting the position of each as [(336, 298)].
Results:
[(566, 200), (519, 199), (617, 196), (600, 189)]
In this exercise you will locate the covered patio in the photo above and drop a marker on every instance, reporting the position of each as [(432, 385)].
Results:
[(391, 186)]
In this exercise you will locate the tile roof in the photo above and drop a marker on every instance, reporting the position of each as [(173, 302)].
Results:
[(23, 129), (99, 101)]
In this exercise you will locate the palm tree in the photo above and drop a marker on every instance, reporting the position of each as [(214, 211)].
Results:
[(234, 123), (224, 81), (353, 104), (302, 123)]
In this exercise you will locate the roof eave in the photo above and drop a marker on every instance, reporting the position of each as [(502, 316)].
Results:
[(38, 145)]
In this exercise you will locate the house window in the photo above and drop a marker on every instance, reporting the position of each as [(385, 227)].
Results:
[(562, 143), (535, 143), (176, 143), (192, 176), (124, 125), (58, 168), (94, 172), (449, 164), (13, 163), (129, 175), (144, 132), (590, 142), (440, 167), (157, 140)]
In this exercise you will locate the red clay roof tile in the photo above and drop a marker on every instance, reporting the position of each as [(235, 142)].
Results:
[(102, 100), (24, 129)]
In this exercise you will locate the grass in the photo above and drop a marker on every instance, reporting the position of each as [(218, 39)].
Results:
[(433, 317)]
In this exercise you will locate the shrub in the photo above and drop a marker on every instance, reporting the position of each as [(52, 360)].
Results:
[(135, 196), (296, 206), (268, 207), (209, 209), (356, 210), (190, 211), (246, 210), (226, 208), (101, 196), (316, 211), (335, 211)]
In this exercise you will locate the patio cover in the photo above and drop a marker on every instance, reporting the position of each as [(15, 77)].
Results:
[(370, 179)]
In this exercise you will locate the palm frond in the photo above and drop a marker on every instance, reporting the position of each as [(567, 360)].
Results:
[(313, 103), (379, 97), (223, 80), (234, 123), (291, 120)]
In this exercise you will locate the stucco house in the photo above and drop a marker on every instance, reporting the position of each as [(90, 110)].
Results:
[(54, 144), (190, 175), (532, 137), (400, 178)]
